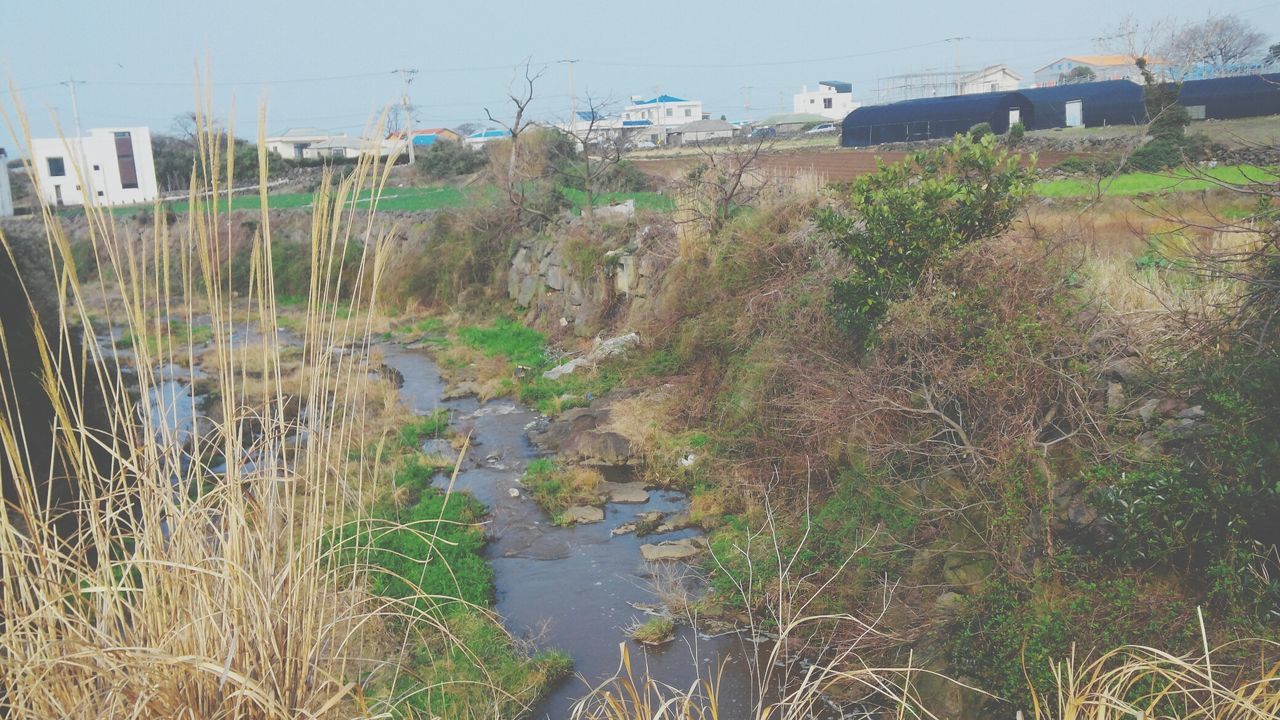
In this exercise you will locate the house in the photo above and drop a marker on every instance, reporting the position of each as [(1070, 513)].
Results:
[(931, 118), (109, 166), (292, 143), (700, 131), (996, 78), (348, 148), (1102, 67), (6, 197), (430, 136), (832, 99), (652, 118), (484, 137)]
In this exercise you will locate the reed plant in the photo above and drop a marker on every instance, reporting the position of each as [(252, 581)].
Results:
[(194, 572)]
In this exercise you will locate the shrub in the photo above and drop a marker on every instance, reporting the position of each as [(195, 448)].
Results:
[(1016, 132), (981, 130), (911, 214), (446, 159)]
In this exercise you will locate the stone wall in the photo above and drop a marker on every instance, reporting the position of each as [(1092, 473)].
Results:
[(584, 300)]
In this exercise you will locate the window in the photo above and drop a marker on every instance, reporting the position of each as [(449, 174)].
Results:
[(670, 112), (99, 193), (95, 167), (57, 168), (826, 103), (688, 112), (124, 156)]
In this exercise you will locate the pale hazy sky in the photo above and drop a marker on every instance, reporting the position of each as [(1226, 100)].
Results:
[(330, 64)]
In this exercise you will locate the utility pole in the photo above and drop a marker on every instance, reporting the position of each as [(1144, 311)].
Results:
[(86, 174), (955, 47), (746, 103), (573, 104), (406, 77)]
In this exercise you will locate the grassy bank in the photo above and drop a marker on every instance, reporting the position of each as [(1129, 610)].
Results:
[(1145, 183)]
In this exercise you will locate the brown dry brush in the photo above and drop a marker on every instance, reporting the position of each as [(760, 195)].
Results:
[(183, 590)]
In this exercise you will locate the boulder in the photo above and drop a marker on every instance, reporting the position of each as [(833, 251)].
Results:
[(631, 492), (441, 452), (1115, 397), (965, 569), (594, 447), (642, 520), (679, 521), (1126, 369), (673, 549), (529, 285), (582, 515)]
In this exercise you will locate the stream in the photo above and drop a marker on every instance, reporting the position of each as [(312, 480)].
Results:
[(571, 588), (576, 589)]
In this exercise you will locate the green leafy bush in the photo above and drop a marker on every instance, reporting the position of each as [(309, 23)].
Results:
[(979, 131), (446, 159), (906, 216), (1017, 131)]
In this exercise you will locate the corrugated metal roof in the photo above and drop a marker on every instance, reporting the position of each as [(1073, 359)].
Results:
[(928, 118), (705, 126), (1095, 60), (839, 86)]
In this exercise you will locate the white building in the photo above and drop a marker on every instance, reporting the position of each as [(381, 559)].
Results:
[(651, 119), (112, 166), (1102, 67), (833, 100), (349, 148), (6, 197), (292, 144), (996, 78)]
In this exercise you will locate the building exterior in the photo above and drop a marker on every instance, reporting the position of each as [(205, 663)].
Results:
[(293, 143), (484, 137), (933, 118), (426, 137), (1227, 98), (832, 99), (700, 131), (109, 166), (349, 148), (6, 197), (1090, 104), (1103, 67), (652, 118), (996, 78)]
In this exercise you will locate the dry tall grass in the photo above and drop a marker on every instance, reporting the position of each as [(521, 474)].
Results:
[(189, 592)]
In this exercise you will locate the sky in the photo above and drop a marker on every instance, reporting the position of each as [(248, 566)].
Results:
[(332, 65)]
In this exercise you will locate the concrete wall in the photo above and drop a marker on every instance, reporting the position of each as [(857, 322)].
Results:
[(91, 168), (814, 102), (6, 196)]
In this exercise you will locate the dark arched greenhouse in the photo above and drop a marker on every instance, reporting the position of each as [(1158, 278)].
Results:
[(1094, 104), (1232, 97), (929, 118)]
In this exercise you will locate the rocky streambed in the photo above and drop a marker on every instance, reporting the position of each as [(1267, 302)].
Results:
[(579, 588)]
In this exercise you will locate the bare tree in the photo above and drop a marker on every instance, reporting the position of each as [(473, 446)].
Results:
[(521, 95), (728, 177), (1218, 41), (601, 147)]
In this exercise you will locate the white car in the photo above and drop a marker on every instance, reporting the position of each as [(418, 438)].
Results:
[(820, 129)]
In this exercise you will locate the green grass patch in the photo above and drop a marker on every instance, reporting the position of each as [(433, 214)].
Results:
[(556, 488), (429, 426), (509, 339), (1141, 183)]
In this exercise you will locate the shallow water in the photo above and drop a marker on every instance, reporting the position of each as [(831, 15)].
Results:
[(569, 588)]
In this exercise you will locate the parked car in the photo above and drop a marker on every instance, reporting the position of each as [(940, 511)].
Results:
[(645, 145), (764, 132), (821, 128)]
